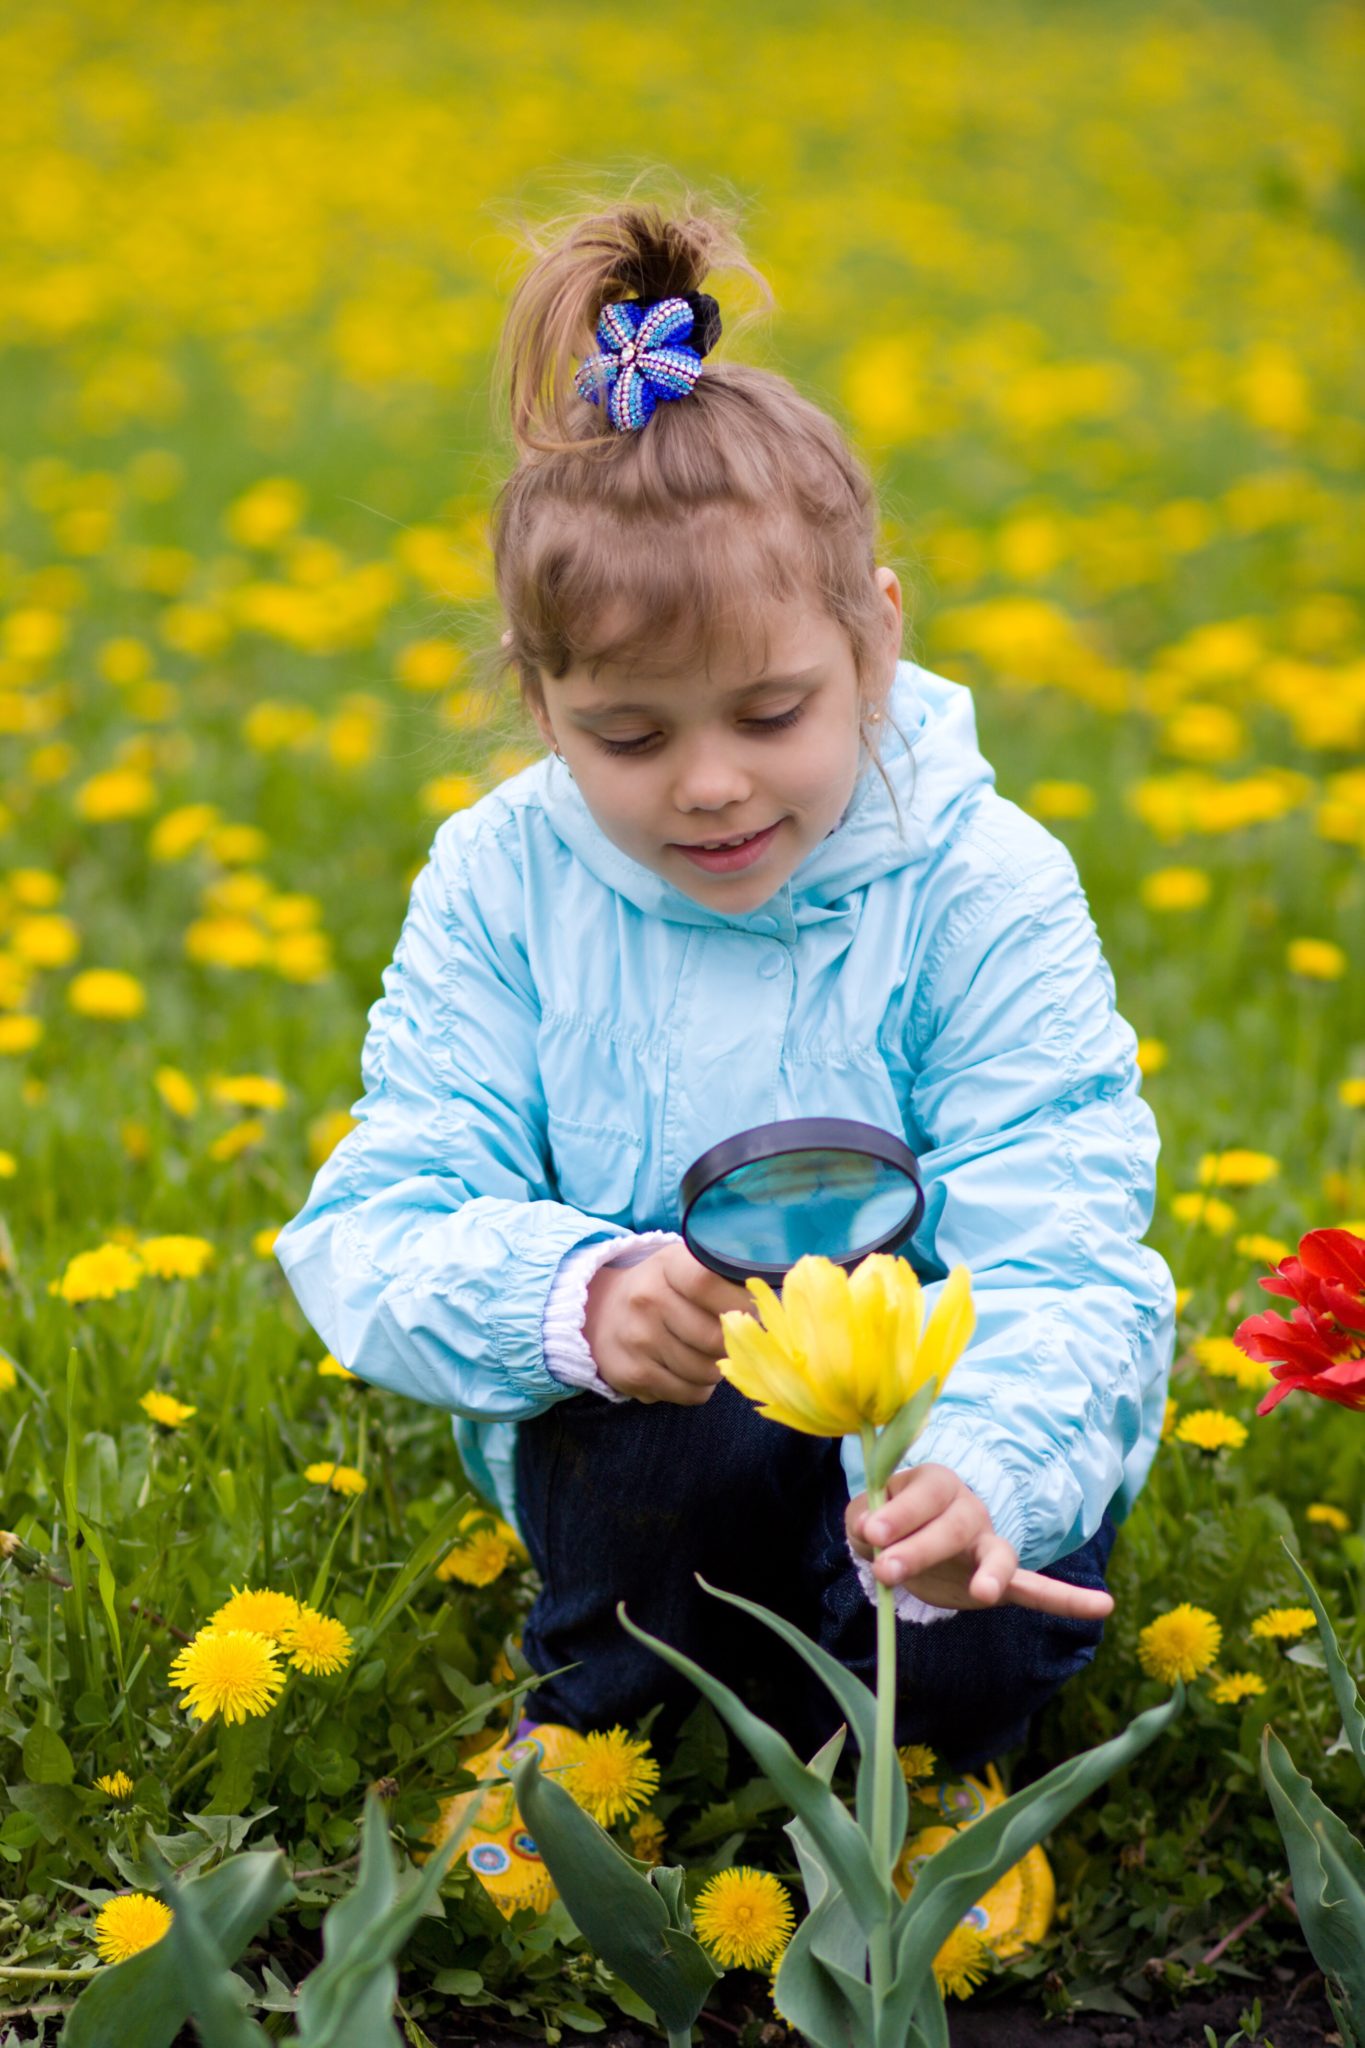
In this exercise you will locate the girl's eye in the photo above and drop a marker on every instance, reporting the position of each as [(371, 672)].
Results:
[(646, 741)]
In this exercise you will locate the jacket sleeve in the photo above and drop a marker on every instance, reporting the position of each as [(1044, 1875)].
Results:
[(1039, 1175), (425, 1252)]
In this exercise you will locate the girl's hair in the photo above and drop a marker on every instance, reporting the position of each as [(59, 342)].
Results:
[(633, 547)]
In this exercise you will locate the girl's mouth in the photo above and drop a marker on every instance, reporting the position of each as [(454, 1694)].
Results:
[(724, 858)]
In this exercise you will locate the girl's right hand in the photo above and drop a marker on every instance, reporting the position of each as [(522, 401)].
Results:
[(654, 1328)]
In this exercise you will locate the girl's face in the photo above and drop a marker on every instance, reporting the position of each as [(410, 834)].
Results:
[(671, 767)]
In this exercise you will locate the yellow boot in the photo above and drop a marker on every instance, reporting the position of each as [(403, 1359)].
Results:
[(498, 1848), (1017, 1910)]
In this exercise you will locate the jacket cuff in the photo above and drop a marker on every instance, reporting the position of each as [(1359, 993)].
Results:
[(567, 1356), (909, 1606)]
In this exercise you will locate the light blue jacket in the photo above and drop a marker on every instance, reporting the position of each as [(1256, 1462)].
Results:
[(562, 1032)]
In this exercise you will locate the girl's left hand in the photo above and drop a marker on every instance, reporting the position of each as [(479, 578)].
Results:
[(935, 1537)]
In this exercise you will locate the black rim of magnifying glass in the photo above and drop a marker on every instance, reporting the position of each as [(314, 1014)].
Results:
[(776, 1141)]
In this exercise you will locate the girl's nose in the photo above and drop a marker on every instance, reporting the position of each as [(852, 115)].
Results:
[(709, 778)]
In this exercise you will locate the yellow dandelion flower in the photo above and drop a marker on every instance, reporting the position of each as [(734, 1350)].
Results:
[(1226, 1361), (647, 1838), (1152, 1055), (46, 940), (1060, 800), (325, 1133), (117, 1784), (1351, 1093), (249, 1091), (1183, 1297), (116, 793), (176, 1090), (237, 1139), (1173, 889), (1316, 959), (1207, 1212), (9, 1166), (1209, 1429), (744, 1917), (1237, 1169), (1179, 1644), (1263, 1250), (175, 1258), (963, 1962), (108, 993), (35, 888), (318, 1643), (330, 1368), (487, 1546), (1168, 1418), (1236, 1687), (128, 1924), (1282, 1624), (9, 1377), (100, 1274), (165, 1410), (615, 1776), (263, 1241), (19, 1033), (1327, 1516), (233, 1672), (259, 1609), (917, 1761), (341, 1478)]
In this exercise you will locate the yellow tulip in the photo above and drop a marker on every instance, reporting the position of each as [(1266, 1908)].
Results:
[(839, 1352)]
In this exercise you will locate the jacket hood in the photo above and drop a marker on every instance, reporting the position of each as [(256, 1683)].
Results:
[(932, 763)]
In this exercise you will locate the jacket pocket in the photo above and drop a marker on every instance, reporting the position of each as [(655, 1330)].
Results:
[(595, 1166)]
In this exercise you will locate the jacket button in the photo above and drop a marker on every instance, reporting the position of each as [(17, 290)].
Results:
[(770, 966)]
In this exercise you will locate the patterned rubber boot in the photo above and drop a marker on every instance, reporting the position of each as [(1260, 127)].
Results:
[(497, 1847), (1017, 1910)]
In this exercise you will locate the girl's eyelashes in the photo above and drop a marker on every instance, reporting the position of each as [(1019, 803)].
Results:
[(645, 743)]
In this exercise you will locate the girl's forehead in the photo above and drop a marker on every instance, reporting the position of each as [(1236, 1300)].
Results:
[(773, 639)]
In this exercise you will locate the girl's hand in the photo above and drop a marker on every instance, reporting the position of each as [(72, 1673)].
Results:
[(935, 1537), (654, 1328)]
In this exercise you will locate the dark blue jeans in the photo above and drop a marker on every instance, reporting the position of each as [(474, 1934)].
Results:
[(626, 1501)]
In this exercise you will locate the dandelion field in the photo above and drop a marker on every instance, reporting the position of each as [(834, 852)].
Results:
[(1085, 288)]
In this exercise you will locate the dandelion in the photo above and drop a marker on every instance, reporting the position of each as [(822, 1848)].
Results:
[(744, 1917), (232, 1672), (1320, 1511), (325, 1133), (1210, 1430), (236, 1140), (165, 1410), (128, 1924), (647, 1838), (317, 1643), (263, 1241), (1172, 1409), (1236, 1687), (1174, 889), (341, 1478), (19, 1033), (1225, 1359), (1283, 1624), (9, 1166), (1237, 1169), (108, 993), (1316, 959), (963, 1962), (1181, 1643), (175, 1258), (1208, 1212), (1351, 1093), (330, 1368), (249, 1091), (1258, 1247), (117, 1784), (259, 1609), (917, 1761), (100, 1274), (176, 1090), (614, 1776), (484, 1554), (1152, 1055)]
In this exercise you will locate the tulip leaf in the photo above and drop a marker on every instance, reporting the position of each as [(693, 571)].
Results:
[(215, 1994), (842, 1844), (1327, 1865), (895, 1440), (821, 1988), (624, 1918), (1343, 1685), (956, 1875), (145, 2000), (858, 1702)]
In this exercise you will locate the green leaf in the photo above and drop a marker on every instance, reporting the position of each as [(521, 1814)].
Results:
[(821, 1986), (894, 1441), (47, 1760), (844, 1847), (243, 1752), (957, 1874), (622, 1916), (857, 1701), (1327, 1864), (349, 1997), (144, 2002), (215, 1994), (1343, 1685)]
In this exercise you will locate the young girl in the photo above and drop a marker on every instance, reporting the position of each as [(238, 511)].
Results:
[(762, 872)]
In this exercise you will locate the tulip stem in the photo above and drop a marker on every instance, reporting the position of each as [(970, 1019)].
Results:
[(884, 1851)]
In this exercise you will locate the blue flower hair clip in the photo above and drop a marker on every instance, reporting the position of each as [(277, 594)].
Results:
[(640, 359)]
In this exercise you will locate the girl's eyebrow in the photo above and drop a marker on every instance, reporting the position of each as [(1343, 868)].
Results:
[(735, 697)]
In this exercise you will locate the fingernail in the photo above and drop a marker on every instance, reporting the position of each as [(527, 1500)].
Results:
[(893, 1572), (876, 1531), (989, 1589)]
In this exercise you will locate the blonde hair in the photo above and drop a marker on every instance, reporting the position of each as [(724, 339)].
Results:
[(614, 548)]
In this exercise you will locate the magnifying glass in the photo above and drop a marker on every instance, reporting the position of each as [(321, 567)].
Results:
[(756, 1203)]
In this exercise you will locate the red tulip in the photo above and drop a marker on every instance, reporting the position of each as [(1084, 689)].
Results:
[(1321, 1346)]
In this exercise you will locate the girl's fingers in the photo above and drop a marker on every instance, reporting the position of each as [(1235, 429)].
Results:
[(1055, 1596), (997, 1563), (926, 1494), (945, 1536)]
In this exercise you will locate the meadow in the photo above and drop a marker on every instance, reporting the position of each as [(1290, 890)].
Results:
[(1084, 286)]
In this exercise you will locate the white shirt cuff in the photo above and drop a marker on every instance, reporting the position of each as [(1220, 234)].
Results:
[(908, 1605), (567, 1357)]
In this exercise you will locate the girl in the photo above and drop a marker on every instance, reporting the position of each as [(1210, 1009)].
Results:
[(761, 873)]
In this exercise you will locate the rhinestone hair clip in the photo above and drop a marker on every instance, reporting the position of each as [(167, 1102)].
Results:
[(641, 359)]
